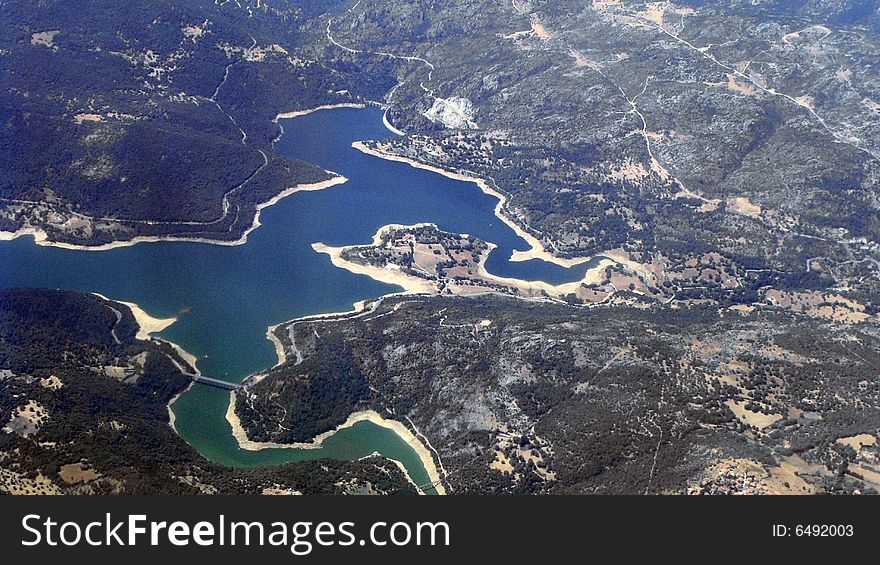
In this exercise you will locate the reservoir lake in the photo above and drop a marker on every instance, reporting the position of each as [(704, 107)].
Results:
[(225, 297)]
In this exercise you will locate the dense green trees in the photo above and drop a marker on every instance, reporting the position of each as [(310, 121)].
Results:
[(121, 428)]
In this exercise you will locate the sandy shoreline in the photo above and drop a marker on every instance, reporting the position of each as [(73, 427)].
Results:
[(423, 448), (280, 352), (363, 416), (172, 418), (298, 113), (392, 274), (41, 238), (39, 235), (540, 253), (307, 187), (591, 277), (536, 250), (148, 325)]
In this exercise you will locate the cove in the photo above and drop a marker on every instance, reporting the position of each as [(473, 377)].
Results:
[(225, 297)]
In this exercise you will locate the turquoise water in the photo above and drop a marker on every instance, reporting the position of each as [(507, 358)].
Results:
[(226, 296)]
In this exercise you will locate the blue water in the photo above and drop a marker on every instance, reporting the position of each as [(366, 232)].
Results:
[(226, 296)]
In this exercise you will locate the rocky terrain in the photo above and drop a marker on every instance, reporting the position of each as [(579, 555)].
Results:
[(658, 129), (722, 160), (156, 120), (84, 410), (748, 128), (424, 258), (521, 396), (666, 132)]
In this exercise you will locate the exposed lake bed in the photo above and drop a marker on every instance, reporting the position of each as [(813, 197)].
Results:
[(225, 296)]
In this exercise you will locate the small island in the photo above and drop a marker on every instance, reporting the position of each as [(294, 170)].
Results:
[(442, 262)]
